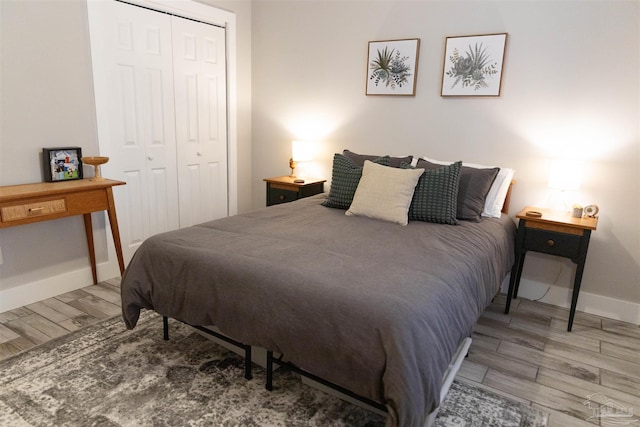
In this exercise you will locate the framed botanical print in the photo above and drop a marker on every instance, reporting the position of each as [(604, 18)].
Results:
[(392, 67), (473, 65)]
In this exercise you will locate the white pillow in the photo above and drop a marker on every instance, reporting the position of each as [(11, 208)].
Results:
[(384, 193), (498, 191)]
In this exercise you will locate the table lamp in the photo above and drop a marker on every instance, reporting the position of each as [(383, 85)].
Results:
[(301, 151), (565, 175)]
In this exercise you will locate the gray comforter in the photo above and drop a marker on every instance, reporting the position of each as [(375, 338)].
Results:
[(374, 307)]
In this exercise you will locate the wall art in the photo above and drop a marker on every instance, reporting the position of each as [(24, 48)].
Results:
[(392, 67), (62, 163), (473, 65)]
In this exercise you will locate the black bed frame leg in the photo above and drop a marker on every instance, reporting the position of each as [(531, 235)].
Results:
[(247, 362), (269, 385), (247, 348), (165, 328)]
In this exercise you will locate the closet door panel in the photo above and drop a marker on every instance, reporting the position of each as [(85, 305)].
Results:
[(211, 114), (215, 189), (191, 194), (126, 103), (160, 217), (133, 198), (133, 73), (200, 94)]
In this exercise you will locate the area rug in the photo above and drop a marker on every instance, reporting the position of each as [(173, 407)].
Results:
[(104, 375)]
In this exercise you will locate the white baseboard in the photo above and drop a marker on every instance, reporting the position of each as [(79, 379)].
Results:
[(587, 302), (29, 293)]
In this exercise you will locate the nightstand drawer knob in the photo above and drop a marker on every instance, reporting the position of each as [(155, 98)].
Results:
[(281, 197), (550, 243)]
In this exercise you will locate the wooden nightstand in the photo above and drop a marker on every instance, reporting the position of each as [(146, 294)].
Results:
[(554, 233), (282, 189)]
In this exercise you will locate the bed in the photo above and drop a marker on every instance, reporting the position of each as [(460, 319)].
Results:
[(375, 307)]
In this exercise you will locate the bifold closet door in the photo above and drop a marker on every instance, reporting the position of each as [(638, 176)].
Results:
[(133, 75), (201, 126), (161, 104)]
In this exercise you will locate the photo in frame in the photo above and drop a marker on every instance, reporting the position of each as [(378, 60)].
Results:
[(392, 67), (473, 65), (62, 163)]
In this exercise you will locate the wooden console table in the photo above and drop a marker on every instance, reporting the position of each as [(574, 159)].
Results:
[(28, 203)]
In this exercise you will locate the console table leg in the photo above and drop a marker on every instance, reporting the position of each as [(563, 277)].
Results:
[(88, 230), (115, 232)]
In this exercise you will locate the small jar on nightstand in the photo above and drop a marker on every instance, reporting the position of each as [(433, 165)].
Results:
[(283, 189), (554, 233)]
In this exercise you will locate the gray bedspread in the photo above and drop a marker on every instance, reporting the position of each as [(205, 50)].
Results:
[(375, 307)]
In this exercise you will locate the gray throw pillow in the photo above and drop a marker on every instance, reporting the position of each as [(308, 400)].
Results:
[(345, 177), (359, 159), (435, 198)]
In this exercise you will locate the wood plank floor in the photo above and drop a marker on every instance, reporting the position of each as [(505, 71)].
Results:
[(527, 355)]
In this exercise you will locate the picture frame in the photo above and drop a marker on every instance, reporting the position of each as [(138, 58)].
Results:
[(392, 67), (473, 65), (62, 163)]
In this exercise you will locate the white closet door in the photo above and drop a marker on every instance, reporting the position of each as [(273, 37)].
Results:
[(133, 74), (201, 120)]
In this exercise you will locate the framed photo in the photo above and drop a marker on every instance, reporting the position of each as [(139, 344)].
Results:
[(62, 163), (473, 65), (392, 67)]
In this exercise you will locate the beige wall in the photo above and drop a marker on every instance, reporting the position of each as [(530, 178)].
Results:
[(47, 101), (570, 86)]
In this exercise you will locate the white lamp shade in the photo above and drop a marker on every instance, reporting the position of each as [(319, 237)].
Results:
[(301, 151), (565, 175)]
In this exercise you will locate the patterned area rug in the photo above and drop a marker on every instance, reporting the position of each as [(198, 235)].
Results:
[(104, 375)]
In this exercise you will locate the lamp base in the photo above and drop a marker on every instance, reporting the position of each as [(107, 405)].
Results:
[(292, 166)]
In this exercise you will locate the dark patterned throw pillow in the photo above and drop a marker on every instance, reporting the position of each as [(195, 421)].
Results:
[(345, 177), (435, 198), (472, 191)]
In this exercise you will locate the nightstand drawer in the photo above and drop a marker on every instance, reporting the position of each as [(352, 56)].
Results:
[(279, 195), (552, 243), (283, 189)]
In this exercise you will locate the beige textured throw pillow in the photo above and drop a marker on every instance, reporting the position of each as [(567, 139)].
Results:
[(384, 193)]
